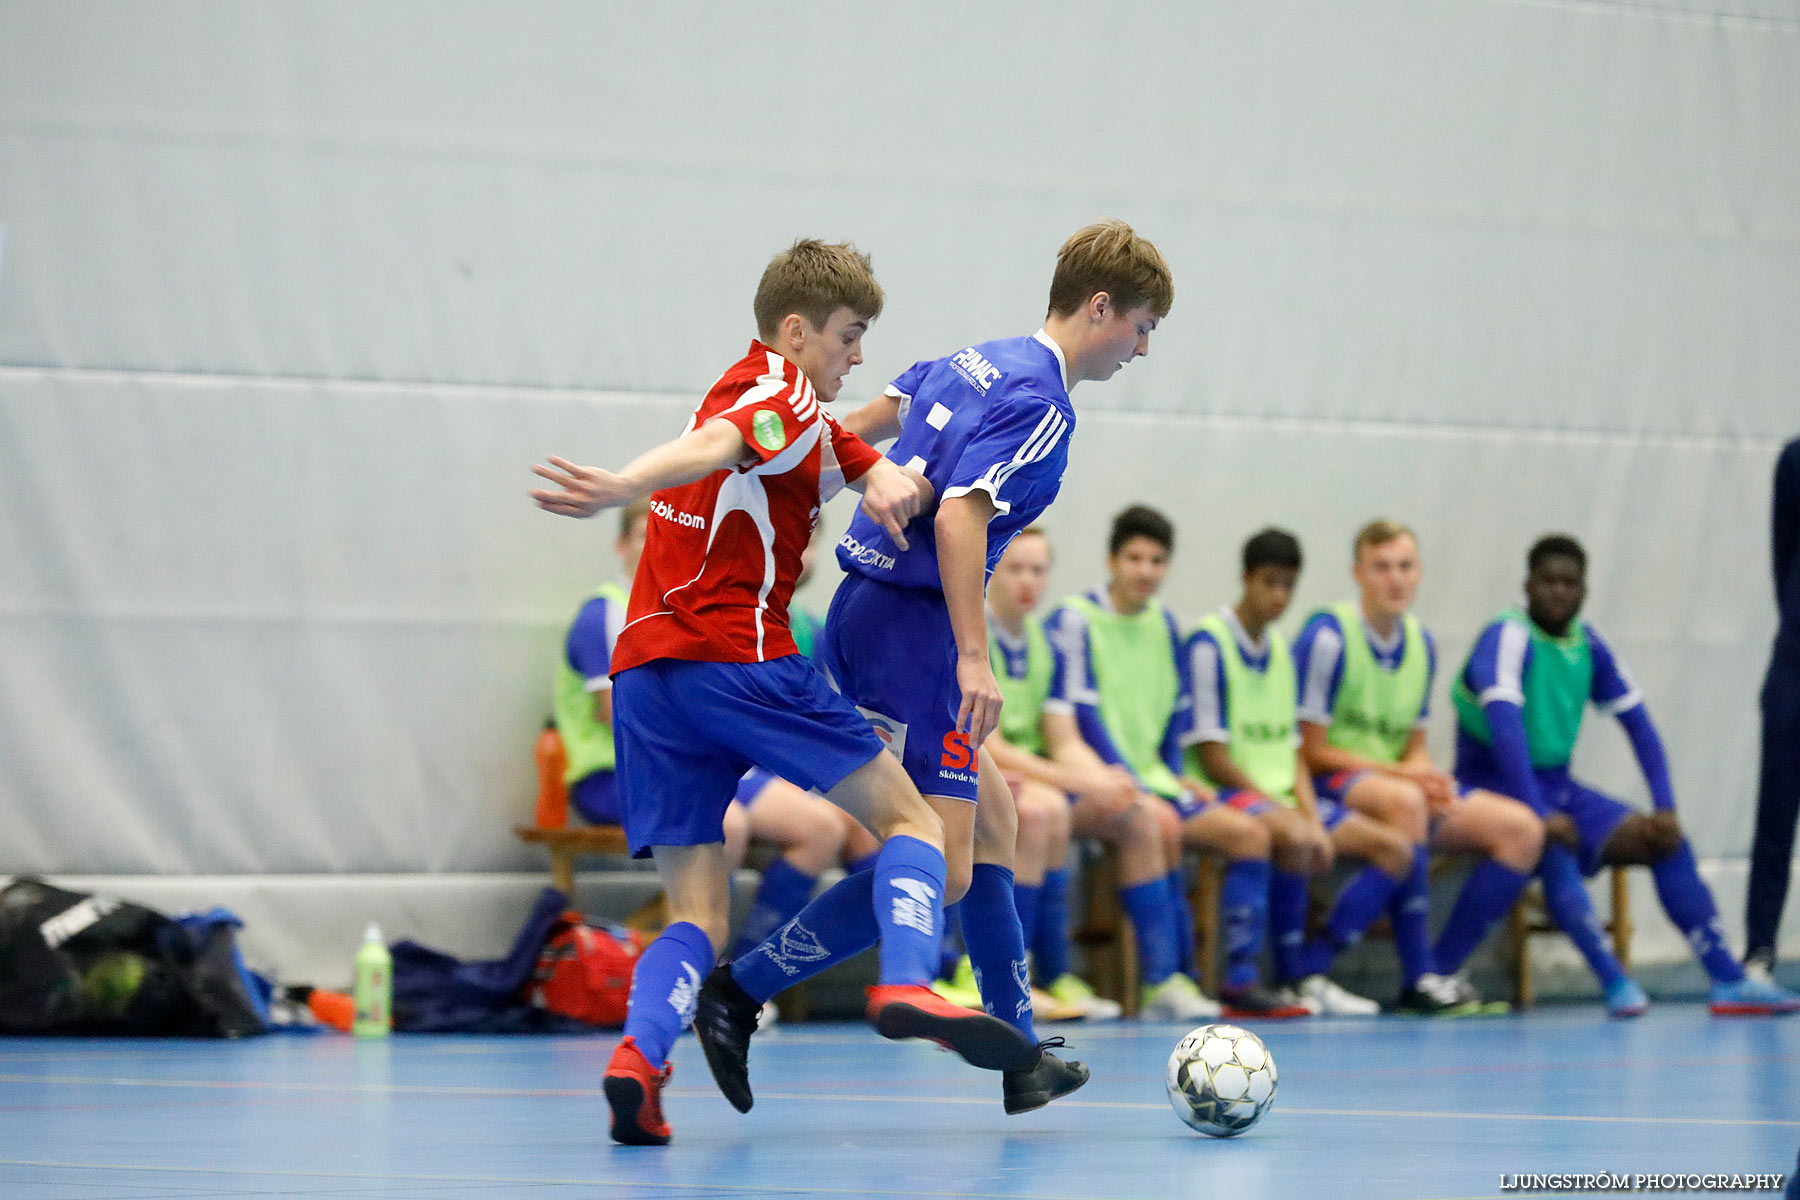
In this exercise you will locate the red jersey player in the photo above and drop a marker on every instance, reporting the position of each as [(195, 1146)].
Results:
[(707, 681)]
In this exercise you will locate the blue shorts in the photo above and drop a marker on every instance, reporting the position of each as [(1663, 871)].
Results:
[(1246, 800), (1596, 815), (686, 733), (1331, 812), (596, 795), (890, 651)]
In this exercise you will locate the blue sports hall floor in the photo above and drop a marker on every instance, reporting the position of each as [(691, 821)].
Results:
[(1382, 1107)]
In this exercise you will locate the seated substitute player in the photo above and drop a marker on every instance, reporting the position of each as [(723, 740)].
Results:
[(1365, 668), (1244, 743), (1039, 745), (1126, 678), (906, 636), (707, 682), (1519, 703), (812, 833)]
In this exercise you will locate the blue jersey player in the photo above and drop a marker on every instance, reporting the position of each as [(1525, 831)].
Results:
[(1519, 703), (906, 637)]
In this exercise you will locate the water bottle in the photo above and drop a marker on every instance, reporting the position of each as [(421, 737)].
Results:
[(374, 990), (553, 793)]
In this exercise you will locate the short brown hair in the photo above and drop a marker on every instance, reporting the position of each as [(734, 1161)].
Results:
[(1109, 256), (1378, 533), (631, 514), (815, 279)]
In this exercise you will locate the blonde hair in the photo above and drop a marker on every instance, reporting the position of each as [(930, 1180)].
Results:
[(1109, 256), (815, 279), (1378, 533)]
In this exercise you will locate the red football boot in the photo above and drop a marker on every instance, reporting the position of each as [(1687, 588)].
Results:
[(634, 1089), (915, 1011)]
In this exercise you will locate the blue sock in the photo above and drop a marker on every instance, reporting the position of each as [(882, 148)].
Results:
[(839, 925), (950, 949), (1566, 900), (1244, 897), (997, 947), (1361, 901), (1689, 903), (1152, 912), (857, 866), (1289, 895), (1026, 897), (784, 891), (1490, 891), (664, 986), (909, 905), (1184, 922), (1409, 909), (1050, 942)]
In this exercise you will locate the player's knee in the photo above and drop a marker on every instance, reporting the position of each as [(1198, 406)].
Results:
[(957, 877), (1034, 822), (1518, 839), (737, 832), (1245, 837), (1393, 855)]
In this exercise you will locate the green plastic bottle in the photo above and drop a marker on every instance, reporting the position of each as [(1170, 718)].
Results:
[(374, 990)]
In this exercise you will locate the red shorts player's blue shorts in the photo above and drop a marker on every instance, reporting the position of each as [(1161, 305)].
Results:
[(596, 795), (891, 652), (686, 732)]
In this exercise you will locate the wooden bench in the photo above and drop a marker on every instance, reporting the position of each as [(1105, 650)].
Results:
[(566, 844), (1528, 918)]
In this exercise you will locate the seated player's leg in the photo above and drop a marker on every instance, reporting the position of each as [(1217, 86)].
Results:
[(1511, 838), (1390, 860), (1237, 832), (1154, 909), (810, 832), (1047, 937), (595, 797), (1400, 805), (1641, 838)]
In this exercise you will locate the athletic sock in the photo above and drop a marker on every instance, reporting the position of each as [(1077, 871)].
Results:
[(1409, 910), (1689, 903), (997, 946), (1289, 895), (664, 986), (1183, 923), (1026, 899), (950, 946), (1566, 900), (780, 896), (909, 905), (1490, 891), (1152, 912), (839, 925), (1244, 897), (1050, 940)]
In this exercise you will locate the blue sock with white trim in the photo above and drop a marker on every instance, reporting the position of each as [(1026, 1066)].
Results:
[(997, 946), (664, 987)]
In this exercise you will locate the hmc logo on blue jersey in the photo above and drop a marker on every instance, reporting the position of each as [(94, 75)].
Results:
[(975, 368)]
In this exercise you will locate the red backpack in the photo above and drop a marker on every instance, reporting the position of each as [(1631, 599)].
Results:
[(584, 971)]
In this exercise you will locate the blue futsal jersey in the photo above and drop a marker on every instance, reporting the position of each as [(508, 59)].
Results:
[(994, 418)]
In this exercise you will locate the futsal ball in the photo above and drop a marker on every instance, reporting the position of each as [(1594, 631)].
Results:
[(1221, 1079)]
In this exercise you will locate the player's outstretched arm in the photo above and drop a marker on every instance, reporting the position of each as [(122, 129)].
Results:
[(584, 491), (962, 538)]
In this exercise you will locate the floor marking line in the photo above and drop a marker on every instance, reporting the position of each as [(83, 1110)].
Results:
[(526, 1181)]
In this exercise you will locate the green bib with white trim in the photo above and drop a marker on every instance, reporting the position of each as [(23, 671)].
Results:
[(1556, 684), (1376, 708), (1134, 661), (1021, 719), (1259, 712), (587, 743)]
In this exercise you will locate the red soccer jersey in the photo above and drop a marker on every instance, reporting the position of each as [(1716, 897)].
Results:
[(721, 555)]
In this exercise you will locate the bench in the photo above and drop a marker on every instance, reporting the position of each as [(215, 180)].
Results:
[(1108, 943)]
